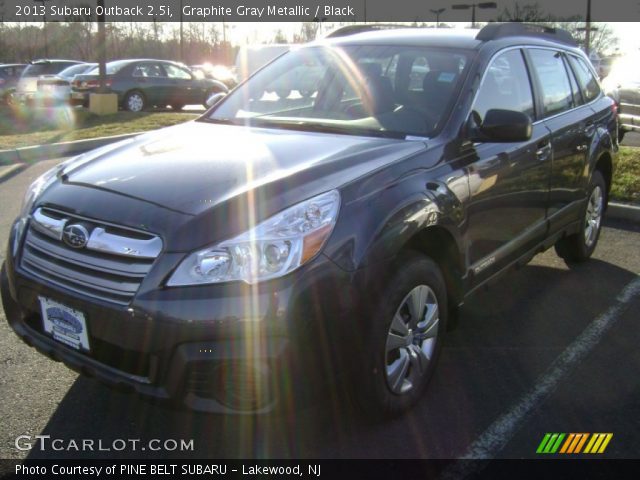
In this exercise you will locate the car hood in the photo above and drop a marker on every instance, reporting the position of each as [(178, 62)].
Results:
[(197, 166)]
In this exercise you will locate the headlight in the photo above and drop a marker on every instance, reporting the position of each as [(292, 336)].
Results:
[(271, 249), (40, 185)]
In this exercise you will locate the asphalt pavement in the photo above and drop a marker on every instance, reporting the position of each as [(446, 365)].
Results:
[(547, 349)]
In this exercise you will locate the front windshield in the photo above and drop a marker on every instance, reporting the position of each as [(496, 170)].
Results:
[(390, 90)]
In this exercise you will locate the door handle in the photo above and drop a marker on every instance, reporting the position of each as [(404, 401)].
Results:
[(589, 129), (544, 150)]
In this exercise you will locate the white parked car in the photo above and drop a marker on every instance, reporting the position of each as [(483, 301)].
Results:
[(57, 88), (27, 87)]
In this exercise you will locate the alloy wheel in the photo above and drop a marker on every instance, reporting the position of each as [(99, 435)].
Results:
[(411, 340), (593, 216)]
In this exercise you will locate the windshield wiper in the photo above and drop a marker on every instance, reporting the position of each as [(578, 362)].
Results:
[(324, 128), (221, 121)]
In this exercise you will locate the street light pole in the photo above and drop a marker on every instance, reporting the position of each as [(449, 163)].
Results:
[(472, 6), (181, 36), (587, 35), (437, 12), (102, 60)]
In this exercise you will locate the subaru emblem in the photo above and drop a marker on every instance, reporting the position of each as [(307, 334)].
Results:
[(76, 236)]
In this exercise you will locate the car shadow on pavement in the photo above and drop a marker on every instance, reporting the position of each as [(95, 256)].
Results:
[(507, 337)]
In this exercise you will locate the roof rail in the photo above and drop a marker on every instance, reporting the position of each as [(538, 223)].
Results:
[(493, 31), (371, 27)]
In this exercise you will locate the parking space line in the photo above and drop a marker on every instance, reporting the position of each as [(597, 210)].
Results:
[(500, 432)]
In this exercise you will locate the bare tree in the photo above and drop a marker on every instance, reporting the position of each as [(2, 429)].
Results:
[(529, 13)]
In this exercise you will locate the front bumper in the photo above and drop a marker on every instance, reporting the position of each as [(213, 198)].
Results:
[(225, 348)]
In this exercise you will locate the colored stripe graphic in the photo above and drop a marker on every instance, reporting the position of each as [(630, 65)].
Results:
[(551, 443)]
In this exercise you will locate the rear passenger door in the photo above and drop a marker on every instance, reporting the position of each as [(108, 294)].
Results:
[(565, 108), (508, 182)]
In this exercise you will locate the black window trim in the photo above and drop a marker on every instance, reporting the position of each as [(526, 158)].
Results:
[(561, 50), (590, 69), (486, 70), (533, 79), (558, 51), (493, 58), (572, 75)]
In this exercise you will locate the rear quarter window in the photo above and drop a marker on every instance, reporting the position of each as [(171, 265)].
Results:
[(586, 79)]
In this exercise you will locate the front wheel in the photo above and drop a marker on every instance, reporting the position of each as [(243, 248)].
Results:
[(580, 246), (134, 101), (405, 337)]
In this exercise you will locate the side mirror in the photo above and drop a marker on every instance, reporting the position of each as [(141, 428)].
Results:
[(215, 98), (504, 126)]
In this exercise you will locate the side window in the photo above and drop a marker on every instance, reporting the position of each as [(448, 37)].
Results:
[(575, 89), (148, 70), (553, 80), (176, 72), (586, 79), (506, 86)]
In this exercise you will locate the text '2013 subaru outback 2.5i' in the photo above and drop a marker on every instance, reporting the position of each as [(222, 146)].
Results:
[(280, 241)]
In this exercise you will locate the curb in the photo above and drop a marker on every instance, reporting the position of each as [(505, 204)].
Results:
[(8, 171), (623, 211), (41, 152)]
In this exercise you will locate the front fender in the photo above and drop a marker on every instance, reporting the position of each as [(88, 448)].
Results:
[(385, 222)]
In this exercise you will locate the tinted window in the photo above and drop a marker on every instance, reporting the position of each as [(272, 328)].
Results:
[(577, 94), (45, 68), (175, 72), (112, 68), (74, 70), (11, 71), (586, 79), (553, 79), (505, 86), (148, 70)]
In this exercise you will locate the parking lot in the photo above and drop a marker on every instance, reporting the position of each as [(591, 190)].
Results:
[(547, 349)]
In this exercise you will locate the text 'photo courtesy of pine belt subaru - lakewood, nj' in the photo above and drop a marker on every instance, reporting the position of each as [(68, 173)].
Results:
[(279, 243)]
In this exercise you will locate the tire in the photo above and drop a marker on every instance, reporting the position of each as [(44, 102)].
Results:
[(177, 106), (398, 363), (283, 92), (580, 246), (206, 97), (135, 101), (306, 93)]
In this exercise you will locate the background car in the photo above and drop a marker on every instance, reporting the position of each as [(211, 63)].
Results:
[(221, 73), (27, 87), (623, 85), (144, 83), (9, 75), (57, 88)]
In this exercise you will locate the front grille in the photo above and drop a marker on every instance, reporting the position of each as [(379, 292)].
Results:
[(110, 267)]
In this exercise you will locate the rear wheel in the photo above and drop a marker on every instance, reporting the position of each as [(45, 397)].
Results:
[(134, 101), (580, 246), (405, 337), (177, 106)]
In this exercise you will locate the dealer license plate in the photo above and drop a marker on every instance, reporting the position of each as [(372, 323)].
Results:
[(64, 324)]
